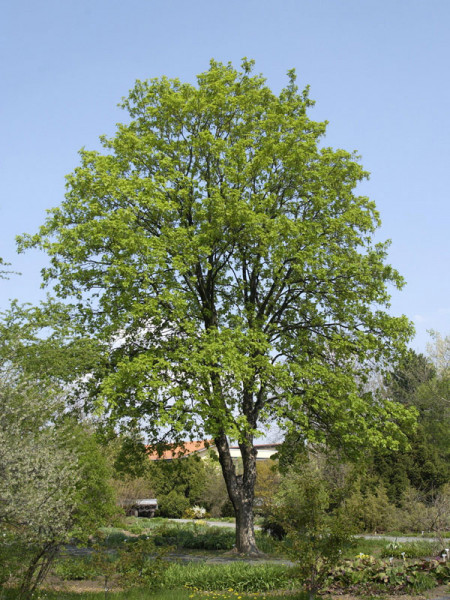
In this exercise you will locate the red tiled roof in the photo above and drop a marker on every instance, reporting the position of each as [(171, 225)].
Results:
[(275, 445), (179, 450)]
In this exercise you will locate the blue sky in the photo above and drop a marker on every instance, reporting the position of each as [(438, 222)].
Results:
[(378, 70)]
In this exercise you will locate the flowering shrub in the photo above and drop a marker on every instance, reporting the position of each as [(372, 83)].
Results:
[(195, 512)]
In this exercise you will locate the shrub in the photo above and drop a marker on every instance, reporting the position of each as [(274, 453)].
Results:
[(316, 536), (172, 505), (75, 568), (273, 527), (195, 512), (214, 494), (194, 536), (177, 483), (370, 510), (227, 509), (140, 564), (138, 525)]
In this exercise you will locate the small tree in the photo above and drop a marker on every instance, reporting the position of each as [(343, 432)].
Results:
[(316, 536), (53, 479), (38, 477)]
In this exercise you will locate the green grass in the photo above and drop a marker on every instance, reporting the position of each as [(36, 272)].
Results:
[(383, 548), (141, 594), (239, 576)]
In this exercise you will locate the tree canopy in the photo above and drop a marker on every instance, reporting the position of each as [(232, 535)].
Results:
[(219, 250)]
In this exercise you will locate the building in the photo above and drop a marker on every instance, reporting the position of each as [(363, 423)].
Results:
[(203, 448)]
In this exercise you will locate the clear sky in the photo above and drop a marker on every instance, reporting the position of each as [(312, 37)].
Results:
[(378, 70)]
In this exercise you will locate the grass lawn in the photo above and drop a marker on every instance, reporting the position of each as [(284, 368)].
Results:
[(160, 595), (141, 594)]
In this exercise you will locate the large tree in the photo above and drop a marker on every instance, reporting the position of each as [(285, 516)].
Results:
[(222, 254)]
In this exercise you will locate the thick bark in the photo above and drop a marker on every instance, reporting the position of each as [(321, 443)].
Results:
[(241, 489), (245, 531)]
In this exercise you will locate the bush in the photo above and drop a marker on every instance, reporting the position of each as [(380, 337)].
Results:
[(370, 510), (172, 505), (194, 536), (140, 564), (227, 509), (214, 494), (177, 484), (114, 539), (271, 526), (315, 536), (75, 568), (195, 512)]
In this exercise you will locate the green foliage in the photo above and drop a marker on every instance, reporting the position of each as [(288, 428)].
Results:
[(370, 510), (172, 504), (195, 536), (214, 234), (178, 484), (267, 483), (141, 565), (410, 550), (137, 563), (366, 574), (134, 594), (238, 576), (412, 371), (425, 465), (75, 568), (130, 455), (227, 509), (316, 537), (95, 500), (214, 496), (141, 524), (4, 274), (53, 479), (421, 467), (38, 478), (114, 539), (44, 343)]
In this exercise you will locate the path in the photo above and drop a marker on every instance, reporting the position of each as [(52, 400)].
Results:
[(388, 538), (187, 557)]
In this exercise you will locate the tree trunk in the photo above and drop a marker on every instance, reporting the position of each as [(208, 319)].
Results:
[(241, 489), (245, 531)]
